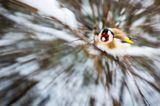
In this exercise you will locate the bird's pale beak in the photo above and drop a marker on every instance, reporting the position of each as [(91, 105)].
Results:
[(127, 40)]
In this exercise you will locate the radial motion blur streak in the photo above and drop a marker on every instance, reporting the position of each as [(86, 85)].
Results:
[(49, 56)]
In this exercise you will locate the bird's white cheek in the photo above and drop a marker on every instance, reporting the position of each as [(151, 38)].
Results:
[(110, 39)]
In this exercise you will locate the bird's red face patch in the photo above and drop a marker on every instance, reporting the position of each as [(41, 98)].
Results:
[(104, 37)]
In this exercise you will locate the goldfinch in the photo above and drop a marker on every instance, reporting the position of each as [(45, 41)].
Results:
[(110, 39)]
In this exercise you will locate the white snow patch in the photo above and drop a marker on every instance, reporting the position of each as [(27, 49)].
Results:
[(6, 42), (150, 38), (139, 22), (52, 8), (135, 51), (38, 28), (86, 8), (147, 3), (26, 58), (27, 68), (140, 11)]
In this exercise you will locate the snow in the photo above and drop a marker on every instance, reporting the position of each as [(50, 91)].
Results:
[(39, 28), (52, 8), (135, 51), (139, 22), (86, 9)]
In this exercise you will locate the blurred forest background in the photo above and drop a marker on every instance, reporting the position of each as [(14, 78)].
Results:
[(46, 61)]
